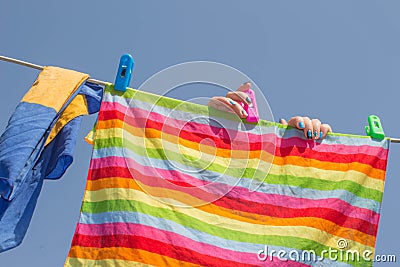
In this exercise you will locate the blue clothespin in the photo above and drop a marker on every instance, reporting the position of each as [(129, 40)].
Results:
[(374, 128), (124, 73)]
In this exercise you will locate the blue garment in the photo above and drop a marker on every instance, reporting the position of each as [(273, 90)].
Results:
[(25, 161)]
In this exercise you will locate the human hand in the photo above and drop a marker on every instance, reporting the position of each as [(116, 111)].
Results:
[(232, 101), (313, 128)]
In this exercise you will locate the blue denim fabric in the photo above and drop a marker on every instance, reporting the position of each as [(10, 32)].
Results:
[(26, 162)]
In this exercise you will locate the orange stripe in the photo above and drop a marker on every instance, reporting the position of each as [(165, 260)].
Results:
[(325, 165), (318, 223), (128, 254), (107, 124)]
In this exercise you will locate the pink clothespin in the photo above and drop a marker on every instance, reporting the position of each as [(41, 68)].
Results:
[(250, 108)]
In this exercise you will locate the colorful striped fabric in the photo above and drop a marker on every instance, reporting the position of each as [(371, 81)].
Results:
[(173, 183)]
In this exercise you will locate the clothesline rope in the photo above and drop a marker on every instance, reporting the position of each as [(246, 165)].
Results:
[(38, 67)]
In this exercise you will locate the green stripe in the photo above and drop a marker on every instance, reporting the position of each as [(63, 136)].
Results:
[(326, 185), (194, 223), (249, 173)]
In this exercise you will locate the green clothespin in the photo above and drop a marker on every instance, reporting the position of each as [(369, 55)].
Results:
[(375, 129)]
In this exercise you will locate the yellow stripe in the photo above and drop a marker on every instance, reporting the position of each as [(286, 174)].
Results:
[(227, 223), (329, 175), (74, 262)]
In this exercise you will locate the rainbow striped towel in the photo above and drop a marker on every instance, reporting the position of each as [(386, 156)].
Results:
[(173, 183)]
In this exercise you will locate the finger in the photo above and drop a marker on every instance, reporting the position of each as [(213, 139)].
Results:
[(236, 107), (325, 128), (227, 104), (302, 123), (240, 97), (316, 124), (283, 121), (297, 122), (308, 128), (218, 103), (245, 86)]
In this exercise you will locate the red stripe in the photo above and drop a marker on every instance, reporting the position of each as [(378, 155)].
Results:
[(309, 153), (154, 246), (245, 205), (220, 137)]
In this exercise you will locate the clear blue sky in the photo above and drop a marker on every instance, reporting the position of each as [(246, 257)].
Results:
[(335, 60)]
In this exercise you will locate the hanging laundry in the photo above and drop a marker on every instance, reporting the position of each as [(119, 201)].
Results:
[(173, 183), (38, 143)]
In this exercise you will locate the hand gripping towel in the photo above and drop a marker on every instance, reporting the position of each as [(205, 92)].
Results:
[(38, 143), (173, 183)]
